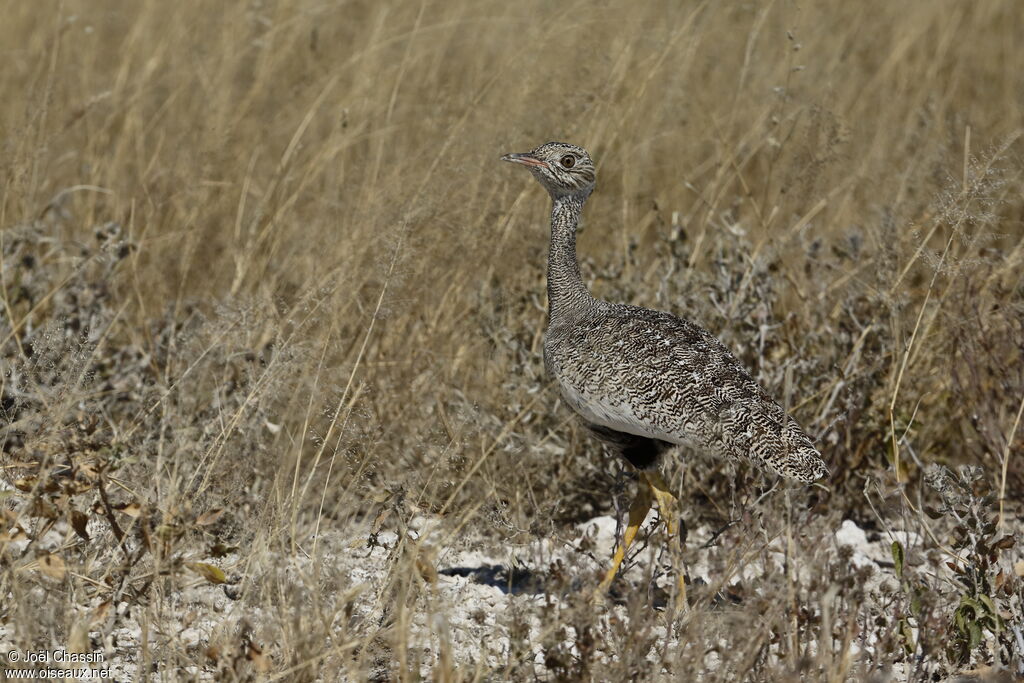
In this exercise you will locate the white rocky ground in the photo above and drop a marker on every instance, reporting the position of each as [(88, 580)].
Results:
[(463, 615)]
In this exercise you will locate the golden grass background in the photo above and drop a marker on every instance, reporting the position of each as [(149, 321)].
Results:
[(267, 252)]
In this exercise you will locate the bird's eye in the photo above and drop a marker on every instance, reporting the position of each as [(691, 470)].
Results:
[(568, 161)]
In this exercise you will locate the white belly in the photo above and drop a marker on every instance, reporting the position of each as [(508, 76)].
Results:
[(618, 416)]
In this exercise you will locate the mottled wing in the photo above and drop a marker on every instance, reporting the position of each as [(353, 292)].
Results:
[(652, 374)]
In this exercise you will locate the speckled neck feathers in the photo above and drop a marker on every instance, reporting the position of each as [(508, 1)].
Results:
[(567, 295)]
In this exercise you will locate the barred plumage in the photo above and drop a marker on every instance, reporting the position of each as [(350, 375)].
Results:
[(644, 380), (631, 370), (654, 375)]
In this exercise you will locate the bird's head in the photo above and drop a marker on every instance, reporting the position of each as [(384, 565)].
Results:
[(562, 169)]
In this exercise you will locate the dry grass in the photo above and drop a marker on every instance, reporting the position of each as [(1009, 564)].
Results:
[(264, 280)]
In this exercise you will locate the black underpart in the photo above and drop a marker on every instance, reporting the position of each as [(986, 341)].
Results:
[(642, 452)]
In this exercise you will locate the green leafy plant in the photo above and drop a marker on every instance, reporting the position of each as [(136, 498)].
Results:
[(913, 589), (987, 589)]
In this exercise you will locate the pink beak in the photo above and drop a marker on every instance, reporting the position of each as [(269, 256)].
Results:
[(526, 159)]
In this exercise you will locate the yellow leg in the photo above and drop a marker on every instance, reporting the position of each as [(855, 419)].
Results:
[(637, 513), (668, 507)]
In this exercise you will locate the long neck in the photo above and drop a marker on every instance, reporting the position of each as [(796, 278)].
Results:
[(566, 291)]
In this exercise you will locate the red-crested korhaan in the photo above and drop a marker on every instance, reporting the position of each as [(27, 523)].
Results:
[(644, 381)]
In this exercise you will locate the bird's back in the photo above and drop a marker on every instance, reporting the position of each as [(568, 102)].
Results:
[(655, 375)]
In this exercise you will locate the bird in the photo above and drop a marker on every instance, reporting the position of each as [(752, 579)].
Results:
[(645, 382)]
